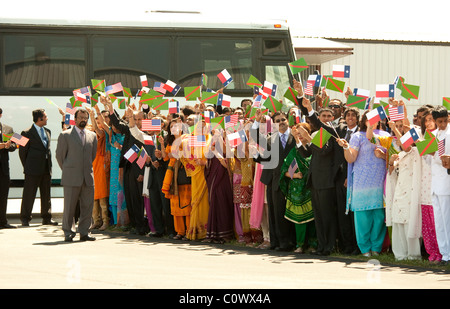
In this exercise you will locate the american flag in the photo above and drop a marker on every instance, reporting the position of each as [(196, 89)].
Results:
[(19, 139), (309, 89), (197, 141), (158, 86), (69, 109), (113, 88), (441, 147), (292, 168), (397, 112), (142, 157), (231, 121), (151, 125)]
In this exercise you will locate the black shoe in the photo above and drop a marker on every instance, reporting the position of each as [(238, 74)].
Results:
[(7, 226), (155, 234), (25, 223), (87, 238), (69, 238), (49, 222), (283, 249)]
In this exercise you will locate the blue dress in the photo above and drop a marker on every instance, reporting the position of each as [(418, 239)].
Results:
[(365, 179), (115, 189)]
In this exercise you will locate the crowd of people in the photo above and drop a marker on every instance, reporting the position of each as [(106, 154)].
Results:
[(360, 192)]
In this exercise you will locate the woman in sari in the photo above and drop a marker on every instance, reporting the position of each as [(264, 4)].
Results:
[(194, 161), (177, 186), (298, 197), (220, 227)]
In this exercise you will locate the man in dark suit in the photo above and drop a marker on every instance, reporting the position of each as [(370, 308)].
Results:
[(277, 145), (75, 153), (37, 167), (159, 204), (133, 175), (6, 146)]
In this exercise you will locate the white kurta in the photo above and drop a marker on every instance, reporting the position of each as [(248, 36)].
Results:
[(403, 200)]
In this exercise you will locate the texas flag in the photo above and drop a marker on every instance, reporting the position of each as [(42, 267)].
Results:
[(224, 100), (208, 115), (174, 107), (171, 87), (341, 71), (144, 81), (361, 92), (225, 77), (385, 91), (237, 138), (69, 119), (376, 115), (409, 138), (270, 88), (132, 153)]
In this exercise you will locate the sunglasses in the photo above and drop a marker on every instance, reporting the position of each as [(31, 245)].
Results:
[(334, 106), (280, 120)]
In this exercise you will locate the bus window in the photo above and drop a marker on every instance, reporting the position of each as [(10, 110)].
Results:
[(274, 47), (43, 61), (124, 59), (211, 56), (278, 75)]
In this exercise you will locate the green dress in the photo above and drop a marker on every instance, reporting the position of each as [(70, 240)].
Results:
[(298, 197)]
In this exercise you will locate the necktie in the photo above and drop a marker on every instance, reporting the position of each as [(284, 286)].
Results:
[(44, 138), (82, 137), (348, 135), (283, 140)]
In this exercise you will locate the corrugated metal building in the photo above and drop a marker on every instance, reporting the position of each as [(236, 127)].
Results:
[(372, 62)]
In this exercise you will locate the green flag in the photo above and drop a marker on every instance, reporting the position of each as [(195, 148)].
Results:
[(298, 66), (253, 81), (127, 92), (427, 146), (355, 101), (205, 80), (6, 137), (217, 122), (273, 104), (400, 80), (321, 138), (192, 93), (209, 97), (148, 98), (94, 99), (98, 84), (122, 103), (335, 85), (160, 104), (428, 134), (323, 82), (410, 91), (446, 102), (291, 94)]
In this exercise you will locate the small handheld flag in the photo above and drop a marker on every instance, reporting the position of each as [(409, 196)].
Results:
[(225, 77), (321, 138), (341, 71), (427, 146), (132, 153), (409, 138), (384, 91), (298, 66), (171, 87), (253, 81), (113, 88), (397, 112), (292, 168), (142, 157), (376, 115), (19, 139), (335, 85), (224, 100), (151, 125)]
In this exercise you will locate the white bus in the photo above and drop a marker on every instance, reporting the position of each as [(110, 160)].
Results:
[(50, 58)]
